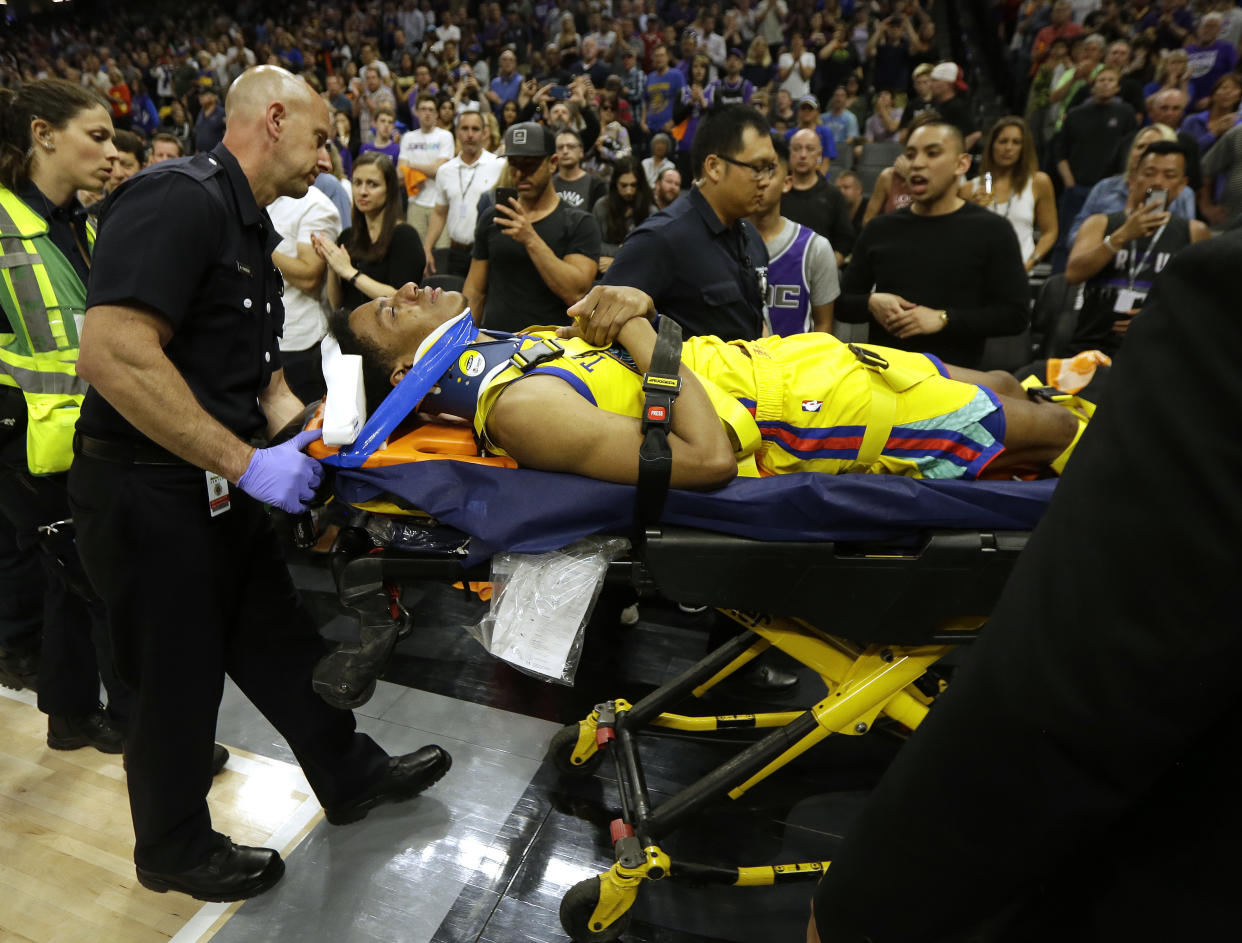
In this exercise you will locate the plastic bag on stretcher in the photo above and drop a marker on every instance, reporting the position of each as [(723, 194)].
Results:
[(541, 604)]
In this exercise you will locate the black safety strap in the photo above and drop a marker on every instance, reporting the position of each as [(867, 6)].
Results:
[(661, 384)]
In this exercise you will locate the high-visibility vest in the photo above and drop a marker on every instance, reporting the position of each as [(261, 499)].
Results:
[(45, 300)]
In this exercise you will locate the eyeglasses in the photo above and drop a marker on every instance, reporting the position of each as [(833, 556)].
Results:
[(760, 172)]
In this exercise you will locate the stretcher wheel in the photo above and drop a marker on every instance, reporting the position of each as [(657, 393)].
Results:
[(576, 909), (561, 750)]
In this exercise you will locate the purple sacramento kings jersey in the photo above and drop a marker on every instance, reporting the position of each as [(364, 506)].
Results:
[(789, 295)]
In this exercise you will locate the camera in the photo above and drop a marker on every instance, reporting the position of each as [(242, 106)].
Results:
[(1156, 199)]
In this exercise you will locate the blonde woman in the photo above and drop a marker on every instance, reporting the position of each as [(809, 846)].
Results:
[(758, 69)]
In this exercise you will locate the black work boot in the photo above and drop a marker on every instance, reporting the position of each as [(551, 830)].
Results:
[(95, 729), (19, 669)]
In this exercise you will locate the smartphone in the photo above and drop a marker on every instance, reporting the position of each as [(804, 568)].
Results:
[(505, 194), (1157, 199), (987, 184), (559, 92)]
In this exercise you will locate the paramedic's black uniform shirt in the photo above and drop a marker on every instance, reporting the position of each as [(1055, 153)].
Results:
[(698, 271), (201, 257)]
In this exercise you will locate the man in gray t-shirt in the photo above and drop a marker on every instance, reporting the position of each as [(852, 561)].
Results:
[(802, 279)]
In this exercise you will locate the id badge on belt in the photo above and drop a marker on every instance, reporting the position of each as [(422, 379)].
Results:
[(218, 498)]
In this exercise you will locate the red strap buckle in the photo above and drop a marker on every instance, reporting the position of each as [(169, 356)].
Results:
[(619, 830), (656, 414), (603, 735)]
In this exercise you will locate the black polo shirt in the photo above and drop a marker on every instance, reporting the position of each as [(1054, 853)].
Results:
[(708, 277), (186, 240)]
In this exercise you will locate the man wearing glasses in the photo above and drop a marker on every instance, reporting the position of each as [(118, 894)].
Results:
[(700, 261)]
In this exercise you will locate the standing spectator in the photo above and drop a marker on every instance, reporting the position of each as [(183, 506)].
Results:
[(297, 220), (1221, 114), (732, 88), (809, 120), (691, 106), (802, 272), (1061, 26), (1119, 255), (382, 140), (889, 51), (812, 200), (951, 106), (795, 68), (1209, 59), (377, 252), (534, 256), (335, 95), (575, 187), (1086, 51), (920, 102), (1168, 106), (1012, 185), (770, 16), (1171, 22), (1089, 139), (667, 189), (658, 162), (1172, 73), (885, 121), (836, 60), (942, 276), (164, 146), (371, 97), (424, 151), (1222, 204), (345, 140), (209, 127), (459, 184), (169, 318), (508, 82), (757, 69), (633, 81), (892, 190), (613, 142), (662, 91), (842, 122), (850, 186), (626, 205), (700, 260)]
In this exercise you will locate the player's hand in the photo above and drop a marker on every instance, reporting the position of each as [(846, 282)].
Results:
[(917, 320), (604, 311), (513, 222)]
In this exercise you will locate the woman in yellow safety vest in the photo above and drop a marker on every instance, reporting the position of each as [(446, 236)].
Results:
[(55, 139)]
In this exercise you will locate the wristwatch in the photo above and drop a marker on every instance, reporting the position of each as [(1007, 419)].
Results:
[(1108, 241)]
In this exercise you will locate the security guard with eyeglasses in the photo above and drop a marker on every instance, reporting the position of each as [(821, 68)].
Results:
[(700, 261)]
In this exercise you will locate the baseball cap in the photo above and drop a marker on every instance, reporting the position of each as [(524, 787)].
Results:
[(529, 139), (945, 72), (736, 52), (809, 100)]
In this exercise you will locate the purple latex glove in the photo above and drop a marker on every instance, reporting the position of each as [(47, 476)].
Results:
[(284, 476)]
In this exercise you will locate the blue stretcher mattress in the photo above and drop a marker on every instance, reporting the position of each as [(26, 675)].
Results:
[(534, 511)]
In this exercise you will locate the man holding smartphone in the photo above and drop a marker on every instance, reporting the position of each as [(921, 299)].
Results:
[(1117, 256), (533, 255)]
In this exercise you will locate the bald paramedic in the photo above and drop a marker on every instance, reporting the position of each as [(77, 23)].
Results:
[(778, 405), (170, 480)]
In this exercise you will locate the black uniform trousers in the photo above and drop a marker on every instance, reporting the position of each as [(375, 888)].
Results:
[(1077, 781), (48, 585), (191, 598), (21, 594)]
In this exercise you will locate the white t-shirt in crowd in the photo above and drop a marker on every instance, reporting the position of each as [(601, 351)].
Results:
[(306, 316), (418, 147), (794, 83), (460, 185)]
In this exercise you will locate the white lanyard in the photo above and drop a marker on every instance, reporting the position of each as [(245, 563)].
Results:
[(1134, 269), (474, 169)]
